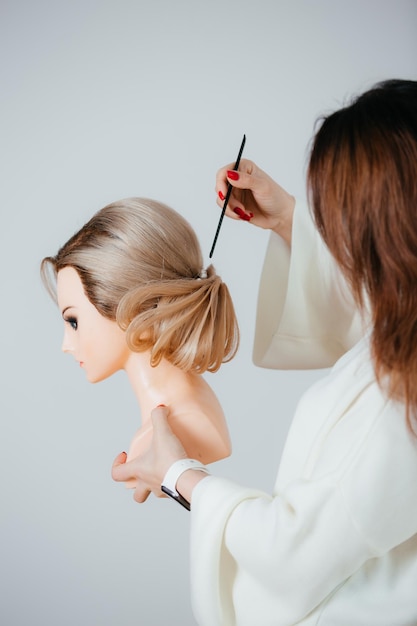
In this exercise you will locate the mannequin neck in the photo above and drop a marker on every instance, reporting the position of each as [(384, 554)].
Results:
[(156, 385)]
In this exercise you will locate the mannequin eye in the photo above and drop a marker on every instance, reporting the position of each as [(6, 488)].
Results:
[(72, 321)]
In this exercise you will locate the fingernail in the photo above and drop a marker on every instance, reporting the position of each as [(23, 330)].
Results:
[(233, 175), (221, 196), (241, 214), (160, 405)]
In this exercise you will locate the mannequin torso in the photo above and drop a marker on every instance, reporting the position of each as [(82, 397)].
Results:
[(196, 416)]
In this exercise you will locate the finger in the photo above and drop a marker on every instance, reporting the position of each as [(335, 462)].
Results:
[(163, 433), (234, 200), (120, 470), (241, 214), (250, 177), (167, 446), (141, 494), (222, 182), (159, 416), (247, 178), (246, 167)]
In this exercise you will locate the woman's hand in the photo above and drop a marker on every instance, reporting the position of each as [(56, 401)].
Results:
[(150, 468), (256, 197)]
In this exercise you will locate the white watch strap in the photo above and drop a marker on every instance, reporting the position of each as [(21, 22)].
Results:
[(169, 483)]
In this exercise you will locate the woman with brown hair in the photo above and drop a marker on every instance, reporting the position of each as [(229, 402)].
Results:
[(336, 542)]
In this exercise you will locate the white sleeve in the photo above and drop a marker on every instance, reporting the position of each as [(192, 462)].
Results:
[(254, 556), (257, 556), (306, 315)]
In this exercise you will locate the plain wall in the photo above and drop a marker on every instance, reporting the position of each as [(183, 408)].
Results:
[(102, 100)]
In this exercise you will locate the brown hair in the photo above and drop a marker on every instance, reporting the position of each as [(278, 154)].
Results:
[(362, 183), (140, 264)]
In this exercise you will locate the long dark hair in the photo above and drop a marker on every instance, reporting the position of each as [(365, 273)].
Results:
[(362, 183)]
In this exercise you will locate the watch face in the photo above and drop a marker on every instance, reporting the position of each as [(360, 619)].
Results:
[(177, 497)]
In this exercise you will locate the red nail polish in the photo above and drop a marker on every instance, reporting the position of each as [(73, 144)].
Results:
[(239, 212), (243, 216), (233, 175), (160, 405), (221, 196)]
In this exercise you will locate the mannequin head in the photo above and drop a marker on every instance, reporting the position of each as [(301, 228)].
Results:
[(139, 263)]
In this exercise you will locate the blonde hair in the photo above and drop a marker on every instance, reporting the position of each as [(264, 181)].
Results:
[(140, 264)]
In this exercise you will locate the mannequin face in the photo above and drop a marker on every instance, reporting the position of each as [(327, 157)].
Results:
[(97, 343)]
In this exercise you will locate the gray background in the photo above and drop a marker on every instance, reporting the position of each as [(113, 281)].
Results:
[(106, 99)]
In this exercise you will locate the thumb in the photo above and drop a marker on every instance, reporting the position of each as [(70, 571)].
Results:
[(120, 470), (166, 441), (160, 424)]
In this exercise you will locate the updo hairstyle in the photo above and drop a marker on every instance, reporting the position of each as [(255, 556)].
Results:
[(140, 264)]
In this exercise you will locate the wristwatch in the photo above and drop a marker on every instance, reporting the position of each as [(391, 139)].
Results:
[(169, 483)]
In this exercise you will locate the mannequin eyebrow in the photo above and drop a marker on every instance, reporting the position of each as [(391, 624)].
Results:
[(66, 309)]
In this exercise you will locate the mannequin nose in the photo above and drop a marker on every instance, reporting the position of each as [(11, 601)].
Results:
[(67, 346)]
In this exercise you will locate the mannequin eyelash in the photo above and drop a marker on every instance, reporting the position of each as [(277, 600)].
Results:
[(72, 321)]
